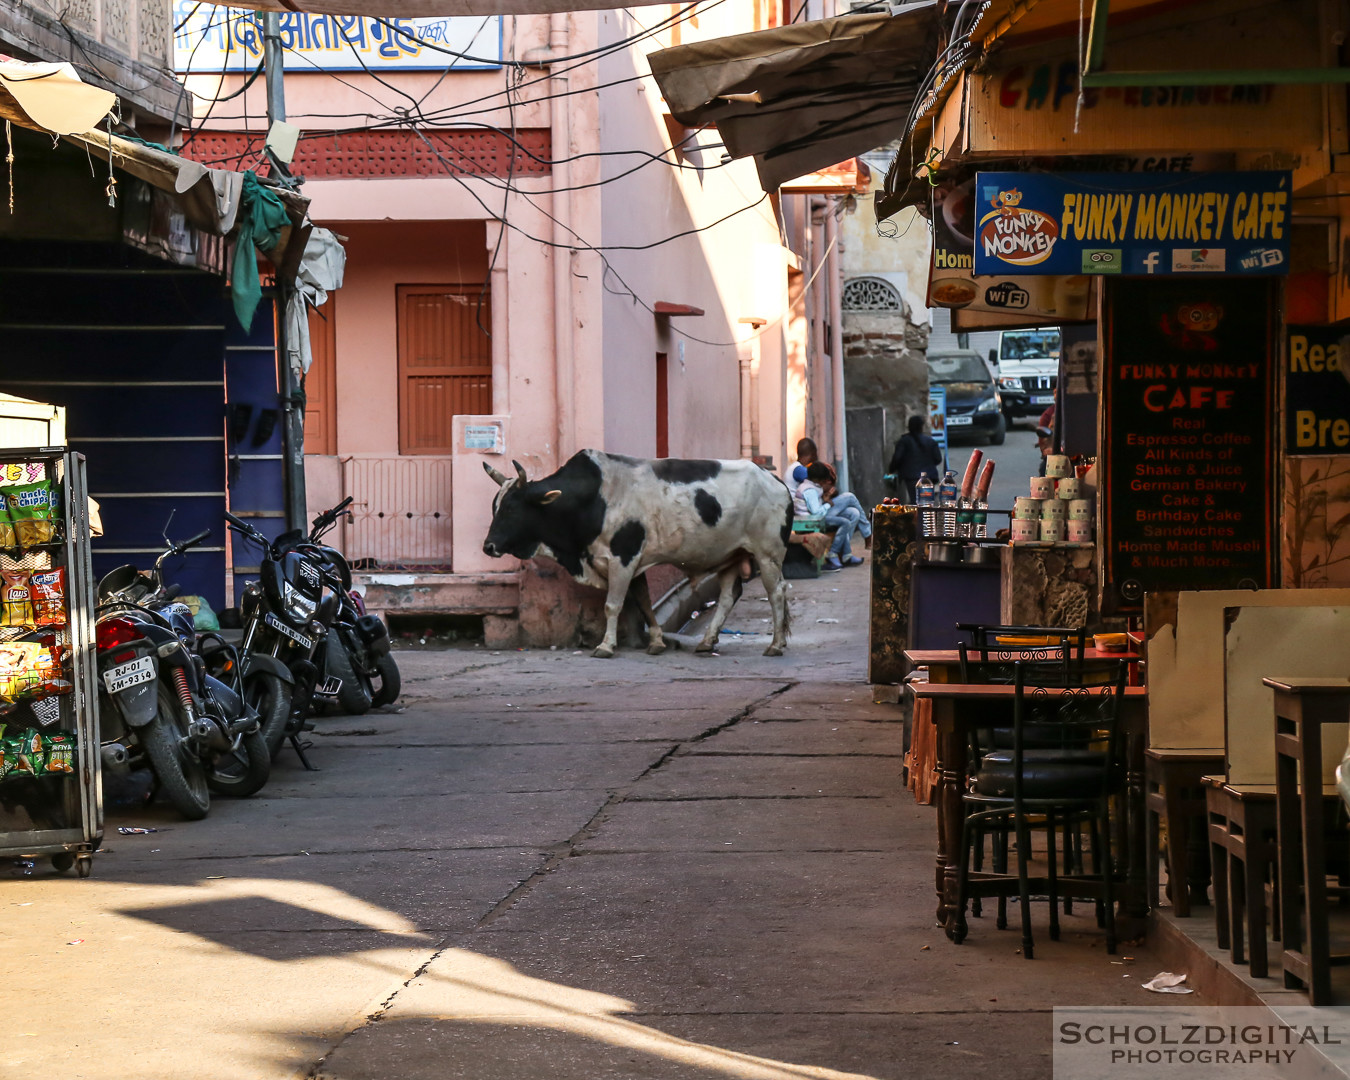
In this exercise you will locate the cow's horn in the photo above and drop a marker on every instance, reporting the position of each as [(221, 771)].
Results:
[(497, 476), (520, 472)]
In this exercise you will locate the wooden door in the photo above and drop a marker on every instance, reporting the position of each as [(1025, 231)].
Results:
[(444, 362), (662, 406), (321, 381)]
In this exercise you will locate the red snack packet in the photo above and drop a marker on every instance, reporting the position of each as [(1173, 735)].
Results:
[(48, 588)]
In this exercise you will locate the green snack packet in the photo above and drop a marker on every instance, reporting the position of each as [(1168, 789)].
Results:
[(20, 751), (59, 754), (32, 512)]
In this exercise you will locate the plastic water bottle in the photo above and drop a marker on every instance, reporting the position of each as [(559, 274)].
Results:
[(926, 496), (965, 518), (981, 518), (947, 502)]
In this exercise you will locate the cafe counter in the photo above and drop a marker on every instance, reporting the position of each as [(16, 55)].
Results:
[(921, 589)]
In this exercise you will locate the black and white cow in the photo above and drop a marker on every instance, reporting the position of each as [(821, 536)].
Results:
[(607, 518)]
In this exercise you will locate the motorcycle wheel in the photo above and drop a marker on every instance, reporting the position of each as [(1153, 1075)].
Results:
[(270, 698), (179, 773), (354, 695), (390, 681), (245, 771)]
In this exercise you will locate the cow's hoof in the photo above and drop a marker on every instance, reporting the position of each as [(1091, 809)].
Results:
[(604, 652), (704, 647), (656, 648), (773, 650)]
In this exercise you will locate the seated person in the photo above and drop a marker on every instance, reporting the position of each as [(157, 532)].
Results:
[(829, 484), (808, 502)]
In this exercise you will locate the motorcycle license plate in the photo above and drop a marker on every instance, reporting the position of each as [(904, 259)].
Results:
[(124, 676), (1042, 399), (295, 635), (958, 421)]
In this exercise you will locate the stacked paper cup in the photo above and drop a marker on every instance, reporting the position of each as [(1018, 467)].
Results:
[(1053, 516), (1058, 466), (1042, 487), (1026, 520), (1080, 520)]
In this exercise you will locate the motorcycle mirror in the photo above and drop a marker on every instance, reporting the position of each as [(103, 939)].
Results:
[(165, 533)]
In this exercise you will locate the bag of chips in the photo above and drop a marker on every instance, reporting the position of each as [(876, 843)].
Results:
[(29, 669), (16, 599), (48, 589), (32, 509), (59, 753), (7, 538), (23, 753), (22, 472)]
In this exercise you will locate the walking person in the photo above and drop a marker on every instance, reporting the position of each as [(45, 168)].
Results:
[(916, 454)]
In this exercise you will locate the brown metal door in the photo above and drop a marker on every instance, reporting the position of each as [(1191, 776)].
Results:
[(444, 363)]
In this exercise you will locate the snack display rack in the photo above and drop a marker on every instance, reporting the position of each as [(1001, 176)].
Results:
[(50, 780)]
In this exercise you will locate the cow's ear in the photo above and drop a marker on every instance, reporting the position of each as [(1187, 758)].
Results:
[(547, 497)]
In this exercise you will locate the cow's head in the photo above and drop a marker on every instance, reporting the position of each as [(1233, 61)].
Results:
[(519, 520)]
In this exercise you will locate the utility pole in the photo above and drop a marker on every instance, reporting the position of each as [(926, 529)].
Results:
[(292, 396)]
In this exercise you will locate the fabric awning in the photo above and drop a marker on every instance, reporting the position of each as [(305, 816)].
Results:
[(428, 9), (52, 97), (803, 97)]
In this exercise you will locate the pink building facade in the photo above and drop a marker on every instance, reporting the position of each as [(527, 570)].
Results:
[(532, 270)]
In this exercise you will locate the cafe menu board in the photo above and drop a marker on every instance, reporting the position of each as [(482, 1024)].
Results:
[(1317, 391), (1187, 472)]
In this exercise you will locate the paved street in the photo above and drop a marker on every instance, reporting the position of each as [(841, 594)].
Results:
[(551, 866), (1017, 459)]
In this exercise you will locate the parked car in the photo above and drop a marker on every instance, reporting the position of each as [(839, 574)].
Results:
[(973, 404), (1028, 368)]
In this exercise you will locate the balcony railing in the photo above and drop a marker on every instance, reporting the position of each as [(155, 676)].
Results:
[(401, 512)]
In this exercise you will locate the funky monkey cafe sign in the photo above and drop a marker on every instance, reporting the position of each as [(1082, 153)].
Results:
[(1188, 391), (1132, 223)]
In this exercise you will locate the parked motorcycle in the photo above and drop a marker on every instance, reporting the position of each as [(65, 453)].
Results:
[(158, 704), (360, 668), (286, 614)]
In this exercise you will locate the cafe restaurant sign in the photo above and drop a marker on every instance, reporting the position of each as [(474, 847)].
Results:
[(1317, 391), (1188, 393), (1144, 224)]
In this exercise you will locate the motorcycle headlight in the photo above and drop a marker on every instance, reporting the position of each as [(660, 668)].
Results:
[(298, 606), (989, 404), (1009, 382)]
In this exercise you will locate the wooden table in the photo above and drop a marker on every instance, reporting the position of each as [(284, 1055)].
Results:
[(1302, 707), (959, 708), (944, 665)]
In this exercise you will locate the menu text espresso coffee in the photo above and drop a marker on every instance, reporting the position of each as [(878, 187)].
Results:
[(1186, 486)]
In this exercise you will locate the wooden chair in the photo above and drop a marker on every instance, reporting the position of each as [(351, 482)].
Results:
[(1067, 762)]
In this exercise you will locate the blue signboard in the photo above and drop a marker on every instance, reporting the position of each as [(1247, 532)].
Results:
[(1132, 223), (937, 416)]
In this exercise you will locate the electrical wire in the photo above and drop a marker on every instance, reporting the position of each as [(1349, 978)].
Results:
[(678, 16)]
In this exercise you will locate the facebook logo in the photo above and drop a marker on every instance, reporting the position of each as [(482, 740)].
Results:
[(1145, 262)]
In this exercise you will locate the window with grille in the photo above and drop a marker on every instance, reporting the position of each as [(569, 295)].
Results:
[(871, 294), (444, 363)]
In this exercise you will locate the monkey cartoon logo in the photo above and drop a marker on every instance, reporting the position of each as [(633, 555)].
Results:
[(1006, 202), (1192, 326)]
